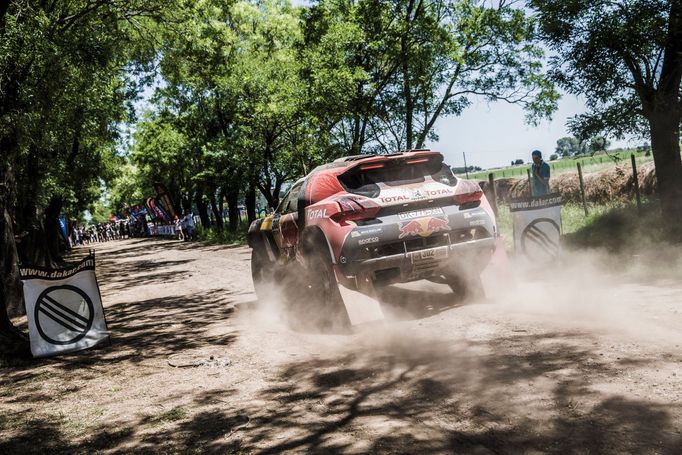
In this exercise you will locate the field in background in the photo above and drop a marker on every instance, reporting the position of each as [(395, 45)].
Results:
[(591, 163)]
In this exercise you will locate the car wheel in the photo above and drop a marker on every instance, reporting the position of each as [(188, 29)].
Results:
[(466, 287), (329, 311), (262, 272)]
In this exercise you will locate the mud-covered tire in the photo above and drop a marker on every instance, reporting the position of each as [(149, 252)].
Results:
[(329, 312), (466, 287), (262, 272)]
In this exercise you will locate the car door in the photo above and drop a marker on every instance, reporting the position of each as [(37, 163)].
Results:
[(288, 223)]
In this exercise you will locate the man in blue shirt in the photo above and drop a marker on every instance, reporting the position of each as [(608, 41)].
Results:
[(539, 175)]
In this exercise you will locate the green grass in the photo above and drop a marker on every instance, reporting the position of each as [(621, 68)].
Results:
[(599, 161), (224, 237)]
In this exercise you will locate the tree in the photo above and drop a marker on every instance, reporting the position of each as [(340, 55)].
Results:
[(626, 59), (568, 146), (598, 144), (387, 71), (64, 90), (553, 157)]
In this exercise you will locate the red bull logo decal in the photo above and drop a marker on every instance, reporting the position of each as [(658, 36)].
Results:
[(423, 227)]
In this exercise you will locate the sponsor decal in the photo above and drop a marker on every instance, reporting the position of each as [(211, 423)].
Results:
[(369, 240), (473, 215), (360, 233), (314, 214), (477, 223), (417, 195), (398, 198), (423, 227), (438, 192), (420, 213)]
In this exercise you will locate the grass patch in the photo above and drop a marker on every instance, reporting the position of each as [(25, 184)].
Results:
[(624, 229), (225, 237), (175, 414)]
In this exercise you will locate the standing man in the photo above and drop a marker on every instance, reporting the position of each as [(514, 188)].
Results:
[(540, 175)]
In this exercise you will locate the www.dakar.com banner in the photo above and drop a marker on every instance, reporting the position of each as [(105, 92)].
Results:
[(537, 226)]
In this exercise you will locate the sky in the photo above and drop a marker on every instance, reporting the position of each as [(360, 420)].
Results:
[(494, 134)]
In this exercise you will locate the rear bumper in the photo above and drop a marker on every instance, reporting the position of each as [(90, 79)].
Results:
[(467, 257)]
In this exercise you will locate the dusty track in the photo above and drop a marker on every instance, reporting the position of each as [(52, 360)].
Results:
[(585, 364)]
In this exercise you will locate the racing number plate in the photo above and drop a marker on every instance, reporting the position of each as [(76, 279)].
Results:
[(430, 254), (420, 213)]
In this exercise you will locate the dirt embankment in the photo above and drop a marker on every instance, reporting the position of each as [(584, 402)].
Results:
[(610, 185)]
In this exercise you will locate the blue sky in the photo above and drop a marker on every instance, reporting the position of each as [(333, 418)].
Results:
[(494, 134)]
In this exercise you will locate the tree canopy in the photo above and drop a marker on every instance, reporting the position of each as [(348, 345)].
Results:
[(625, 58)]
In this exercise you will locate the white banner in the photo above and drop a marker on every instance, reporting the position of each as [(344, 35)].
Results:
[(64, 308), (163, 229), (537, 227)]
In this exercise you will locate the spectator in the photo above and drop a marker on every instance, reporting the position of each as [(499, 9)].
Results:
[(539, 175)]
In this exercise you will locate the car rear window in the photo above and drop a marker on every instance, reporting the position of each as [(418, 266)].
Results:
[(366, 182)]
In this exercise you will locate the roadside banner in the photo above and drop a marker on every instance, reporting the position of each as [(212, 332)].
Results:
[(163, 198), (64, 308), (537, 226)]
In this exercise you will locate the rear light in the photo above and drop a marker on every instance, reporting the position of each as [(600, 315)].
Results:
[(466, 192), (369, 167), (417, 160), (354, 209), (461, 199)]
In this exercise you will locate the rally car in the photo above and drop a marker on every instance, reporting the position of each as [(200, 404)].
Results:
[(367, 221)]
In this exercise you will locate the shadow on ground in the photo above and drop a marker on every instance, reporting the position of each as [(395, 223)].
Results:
[(411, 397)]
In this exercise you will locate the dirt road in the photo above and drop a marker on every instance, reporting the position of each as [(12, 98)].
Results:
[(573, 360)]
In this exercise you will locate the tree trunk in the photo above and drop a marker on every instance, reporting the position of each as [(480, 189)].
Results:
[(12, 341), (217, 214), (233, 209), (250, 202), (407, 88), (203, 211), (665, 145), (52, 228)]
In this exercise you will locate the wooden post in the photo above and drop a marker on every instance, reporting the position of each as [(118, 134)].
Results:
[(493, 193), (530, 187), (582, 188), (465, 165), (636, 180)]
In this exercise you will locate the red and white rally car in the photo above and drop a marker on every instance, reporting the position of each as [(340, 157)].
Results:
[(366, 221)]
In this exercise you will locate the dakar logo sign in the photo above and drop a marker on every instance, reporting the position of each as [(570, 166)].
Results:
[(423, 227)]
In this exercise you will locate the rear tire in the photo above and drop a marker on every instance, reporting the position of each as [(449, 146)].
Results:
[(466, 287), (329, 312), (262, 272)]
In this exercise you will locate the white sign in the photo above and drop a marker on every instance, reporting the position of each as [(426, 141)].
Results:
[(537, 227), (64, 308)]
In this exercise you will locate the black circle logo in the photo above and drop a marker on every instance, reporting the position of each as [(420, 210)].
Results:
[(63, 314), (540, 239)]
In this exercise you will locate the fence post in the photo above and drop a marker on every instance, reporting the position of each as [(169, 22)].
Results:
[(493, 193), (530, 187), (636, 180), (582, 187)]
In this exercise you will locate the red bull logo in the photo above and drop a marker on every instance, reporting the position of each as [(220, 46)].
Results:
[(410, 229), (423, 227), (438, 224)]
